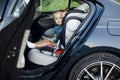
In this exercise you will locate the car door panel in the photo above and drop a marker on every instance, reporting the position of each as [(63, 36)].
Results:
[(10, 44)]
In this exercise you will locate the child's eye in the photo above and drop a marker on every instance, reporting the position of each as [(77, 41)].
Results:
[(56, 18), (60, 18)]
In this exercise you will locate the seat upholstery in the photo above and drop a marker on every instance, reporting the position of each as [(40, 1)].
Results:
[(48, 33), (39, 58)]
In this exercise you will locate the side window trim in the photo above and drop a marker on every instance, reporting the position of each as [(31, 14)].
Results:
[(2, 8)]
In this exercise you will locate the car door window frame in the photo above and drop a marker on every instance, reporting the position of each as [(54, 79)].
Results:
[(2, 8)]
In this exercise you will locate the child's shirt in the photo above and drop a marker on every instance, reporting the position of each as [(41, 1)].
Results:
[(58, 30)]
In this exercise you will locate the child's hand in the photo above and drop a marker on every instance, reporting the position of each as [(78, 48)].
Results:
[(44, 43)]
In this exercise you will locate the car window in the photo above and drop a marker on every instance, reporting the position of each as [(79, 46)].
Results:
[(117, 1), (13, 11), (2, 7), (53, 5), (19, 8)]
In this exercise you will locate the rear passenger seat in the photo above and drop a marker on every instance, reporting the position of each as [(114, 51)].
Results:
[(71, 22)]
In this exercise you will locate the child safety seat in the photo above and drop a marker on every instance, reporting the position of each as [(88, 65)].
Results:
[(71, 22)]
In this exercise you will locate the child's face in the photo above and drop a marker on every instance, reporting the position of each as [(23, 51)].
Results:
[(58, 18)]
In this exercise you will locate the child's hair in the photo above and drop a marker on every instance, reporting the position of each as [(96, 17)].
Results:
[(66, 9), (57, 11)]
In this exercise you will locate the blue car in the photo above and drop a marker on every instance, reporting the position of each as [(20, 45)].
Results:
[(90, 40)]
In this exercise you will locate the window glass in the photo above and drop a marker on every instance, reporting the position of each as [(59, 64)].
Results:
[(13, 12), (74, 4), (53, 5), (117, 1), (2, 7), (19, 8)]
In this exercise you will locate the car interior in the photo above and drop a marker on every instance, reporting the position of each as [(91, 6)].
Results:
[(82, 51), (43, 25)]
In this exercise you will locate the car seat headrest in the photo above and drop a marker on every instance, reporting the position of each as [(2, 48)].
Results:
[(71, 22)]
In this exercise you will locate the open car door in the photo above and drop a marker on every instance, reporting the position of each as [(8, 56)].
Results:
[(16, 19)]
